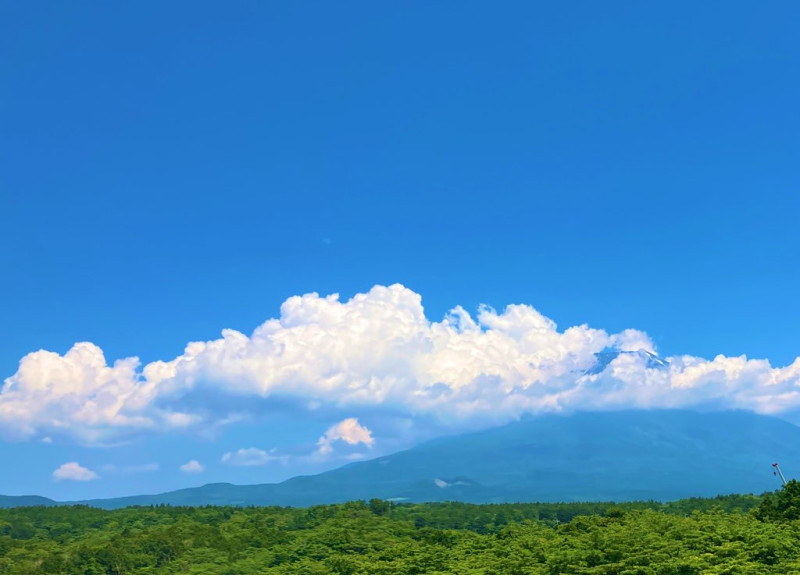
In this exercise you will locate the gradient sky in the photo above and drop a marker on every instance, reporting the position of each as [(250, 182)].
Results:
[(170, 171)]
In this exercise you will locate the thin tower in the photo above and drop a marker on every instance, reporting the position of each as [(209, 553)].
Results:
[(779, 472)]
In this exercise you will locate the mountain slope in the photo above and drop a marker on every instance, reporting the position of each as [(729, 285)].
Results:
[(24, 501), (586, 456)]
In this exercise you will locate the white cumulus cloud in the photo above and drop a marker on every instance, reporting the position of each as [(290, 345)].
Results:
[(349, 431), (250, 456), (74, 472), (192, 466), (376, 350)]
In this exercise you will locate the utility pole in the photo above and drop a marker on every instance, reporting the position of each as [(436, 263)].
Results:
[(779, 472)]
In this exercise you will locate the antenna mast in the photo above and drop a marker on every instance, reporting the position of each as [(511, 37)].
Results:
[(779, 472)]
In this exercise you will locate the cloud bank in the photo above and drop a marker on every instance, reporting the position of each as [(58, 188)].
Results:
[(377, 350)]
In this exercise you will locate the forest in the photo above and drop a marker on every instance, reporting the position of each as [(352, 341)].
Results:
[(723, 535)]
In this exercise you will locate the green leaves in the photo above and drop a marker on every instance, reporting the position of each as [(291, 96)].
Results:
[(782, 505), (381, 538)]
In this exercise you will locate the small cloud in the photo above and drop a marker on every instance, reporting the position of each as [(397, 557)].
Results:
[(349, 431), (251, 456), (192, 466), (74, 472), (47, 440)]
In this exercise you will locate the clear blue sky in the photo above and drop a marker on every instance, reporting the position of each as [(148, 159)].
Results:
[(170, 170)]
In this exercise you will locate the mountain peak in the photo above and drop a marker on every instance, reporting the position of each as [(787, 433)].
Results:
[(605, 357)]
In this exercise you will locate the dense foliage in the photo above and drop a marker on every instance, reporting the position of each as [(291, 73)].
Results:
[(726, 535)]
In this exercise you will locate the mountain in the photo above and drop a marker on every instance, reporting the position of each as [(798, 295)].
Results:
[(24, 501), (604, 359), (627, 455)]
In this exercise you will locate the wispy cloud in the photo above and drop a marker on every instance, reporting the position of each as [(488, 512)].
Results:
[(377, 350), (144, 468), (130, 469), (250, 456)]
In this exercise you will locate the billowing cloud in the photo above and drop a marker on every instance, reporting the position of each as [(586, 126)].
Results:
[(74, 472), (192, 466), (250, 456), (377, 350), (349, 431)]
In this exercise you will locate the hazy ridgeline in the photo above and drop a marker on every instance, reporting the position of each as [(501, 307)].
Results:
[(730, 534)]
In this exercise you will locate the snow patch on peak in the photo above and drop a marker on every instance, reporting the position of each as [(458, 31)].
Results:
[(605, 357)]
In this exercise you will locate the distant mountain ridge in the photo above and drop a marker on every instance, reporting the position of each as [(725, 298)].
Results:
[(24, 501), (623, 456)]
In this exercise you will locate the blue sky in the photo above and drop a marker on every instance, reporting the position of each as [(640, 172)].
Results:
[(167, 172)]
